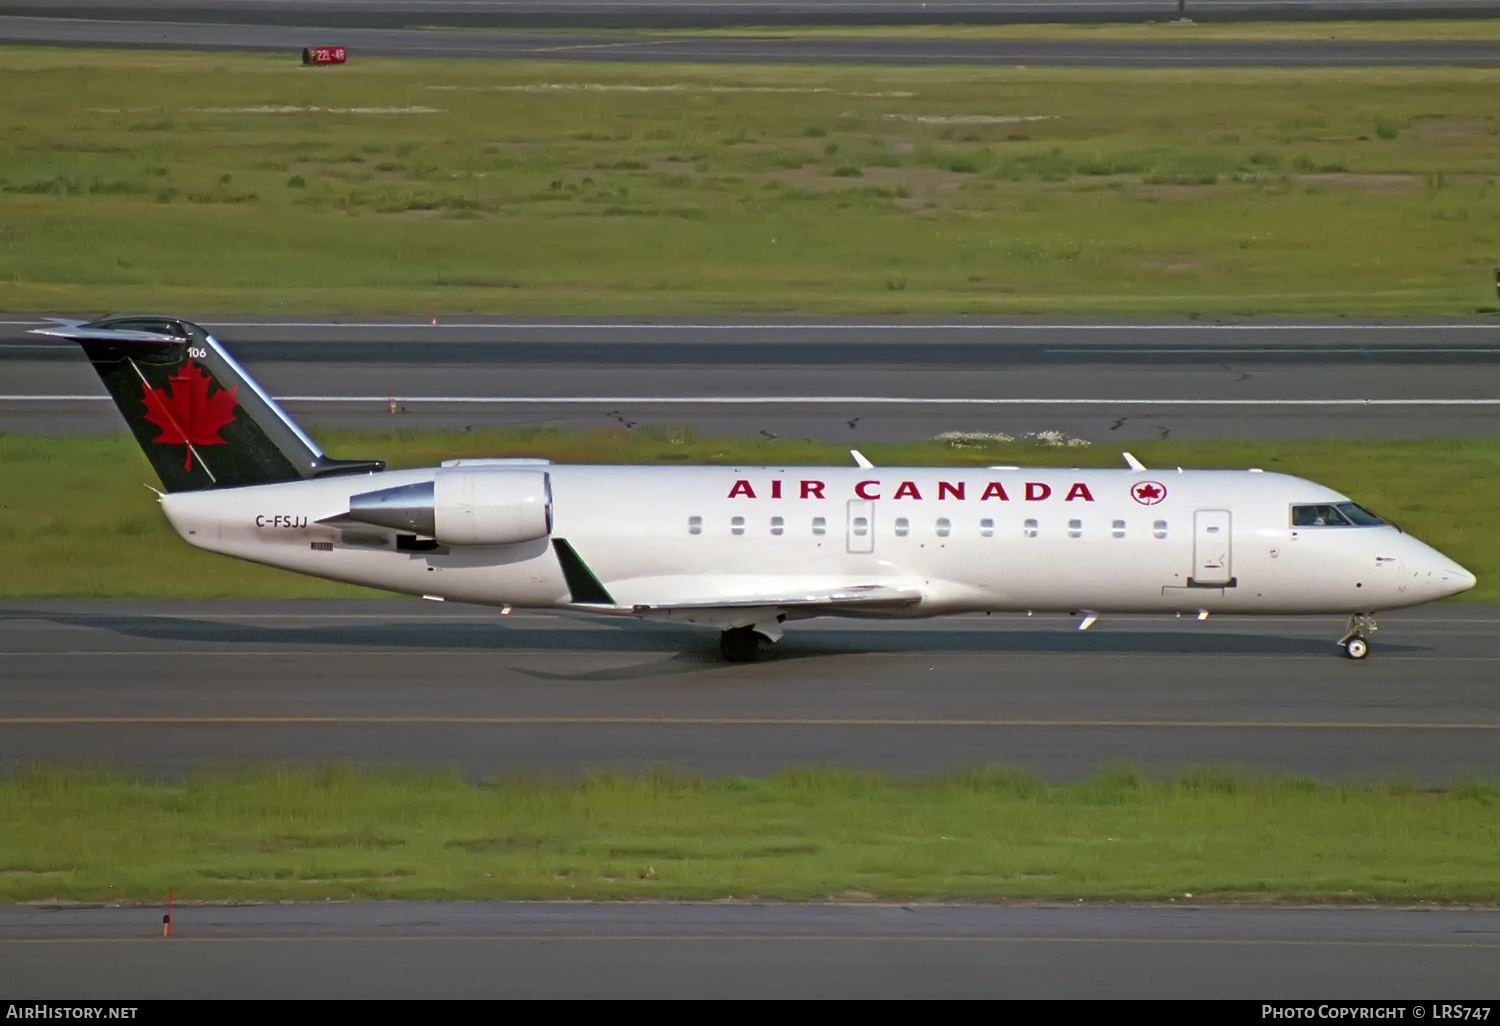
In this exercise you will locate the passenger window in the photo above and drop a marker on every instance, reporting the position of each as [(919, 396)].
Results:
[(1075, 528), (1117, 528), (987, 527), (736, 525), (1159, 529), (944, 527), (820, 525), (695, 525), (1029, 528), (861, 526), (903, 527), (778, 525)]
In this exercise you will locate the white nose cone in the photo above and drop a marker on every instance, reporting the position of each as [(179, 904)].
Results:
[(1454, 579)]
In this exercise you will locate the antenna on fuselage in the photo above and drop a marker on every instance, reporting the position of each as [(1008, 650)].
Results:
[(859, 459), (1134, 464)]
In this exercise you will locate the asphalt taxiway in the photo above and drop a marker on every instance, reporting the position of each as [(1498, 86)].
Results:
[(639, 13), (399, 949), (688, 49), (838, 380), (166, 688)]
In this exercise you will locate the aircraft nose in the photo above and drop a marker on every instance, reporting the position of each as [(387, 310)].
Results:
[(1454, 579), (1434, 573)]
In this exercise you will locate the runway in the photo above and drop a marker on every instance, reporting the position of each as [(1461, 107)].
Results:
[(833, 380), (168, 687), (463, 950), (710, 13), (536, 45)]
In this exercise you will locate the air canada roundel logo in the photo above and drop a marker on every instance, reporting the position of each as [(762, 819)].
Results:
[(1148, 493)]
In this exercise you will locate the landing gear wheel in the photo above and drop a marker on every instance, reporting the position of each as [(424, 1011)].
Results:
[(1354, 642), (741, 645)]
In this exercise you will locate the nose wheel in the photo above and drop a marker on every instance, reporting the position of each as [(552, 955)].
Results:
[(1355, 642)]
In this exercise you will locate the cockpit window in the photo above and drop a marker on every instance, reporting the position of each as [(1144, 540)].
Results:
[(1342, 514), (1359, 516)]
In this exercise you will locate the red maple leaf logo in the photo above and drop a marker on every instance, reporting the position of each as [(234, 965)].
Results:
[(1149, 493), (186, 413)]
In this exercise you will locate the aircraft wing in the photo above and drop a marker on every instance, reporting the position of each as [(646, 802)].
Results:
[(853, 597), (748, 598)]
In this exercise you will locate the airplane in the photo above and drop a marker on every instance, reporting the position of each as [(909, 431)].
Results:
[(744, 549)]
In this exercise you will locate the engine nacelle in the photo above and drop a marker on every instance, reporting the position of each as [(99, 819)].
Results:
[(463, 506), (491, 507)]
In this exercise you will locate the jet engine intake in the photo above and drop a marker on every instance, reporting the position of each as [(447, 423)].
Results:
[(470, 506)]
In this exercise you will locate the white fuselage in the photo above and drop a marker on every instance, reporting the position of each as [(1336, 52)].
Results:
[(965, 539)]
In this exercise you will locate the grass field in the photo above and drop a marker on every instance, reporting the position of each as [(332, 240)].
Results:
[(232, 183), (77, 520), (809, 833)]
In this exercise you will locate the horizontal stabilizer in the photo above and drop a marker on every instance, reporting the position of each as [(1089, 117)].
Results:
[(117, 336)]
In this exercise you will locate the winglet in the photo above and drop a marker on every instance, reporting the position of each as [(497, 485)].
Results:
[(1133, 463), (859, 459), (583, 586)]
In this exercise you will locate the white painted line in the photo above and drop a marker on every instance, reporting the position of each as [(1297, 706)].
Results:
[(827, 326), (799, 400), (826, 400), (1266, 351)]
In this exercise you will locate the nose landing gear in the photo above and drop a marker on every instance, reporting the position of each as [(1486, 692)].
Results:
[(1355, 642)]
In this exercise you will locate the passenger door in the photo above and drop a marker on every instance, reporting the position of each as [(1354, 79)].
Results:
[(861, 525), (1211, 547)]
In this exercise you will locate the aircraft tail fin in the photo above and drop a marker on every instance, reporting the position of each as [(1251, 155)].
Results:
[(201, 420)]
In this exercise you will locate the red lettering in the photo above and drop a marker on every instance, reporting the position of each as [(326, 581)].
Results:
[(1079, 491), (859, 490), (994, 490), (812, 489), (907, 489), (945, 489), (775, 489), (742, 488), (1036, 491)]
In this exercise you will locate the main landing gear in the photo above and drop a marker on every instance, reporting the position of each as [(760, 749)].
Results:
[(1355, 642), (740, 645)]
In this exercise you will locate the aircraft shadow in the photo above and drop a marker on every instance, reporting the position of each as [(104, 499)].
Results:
[(697, 646)]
